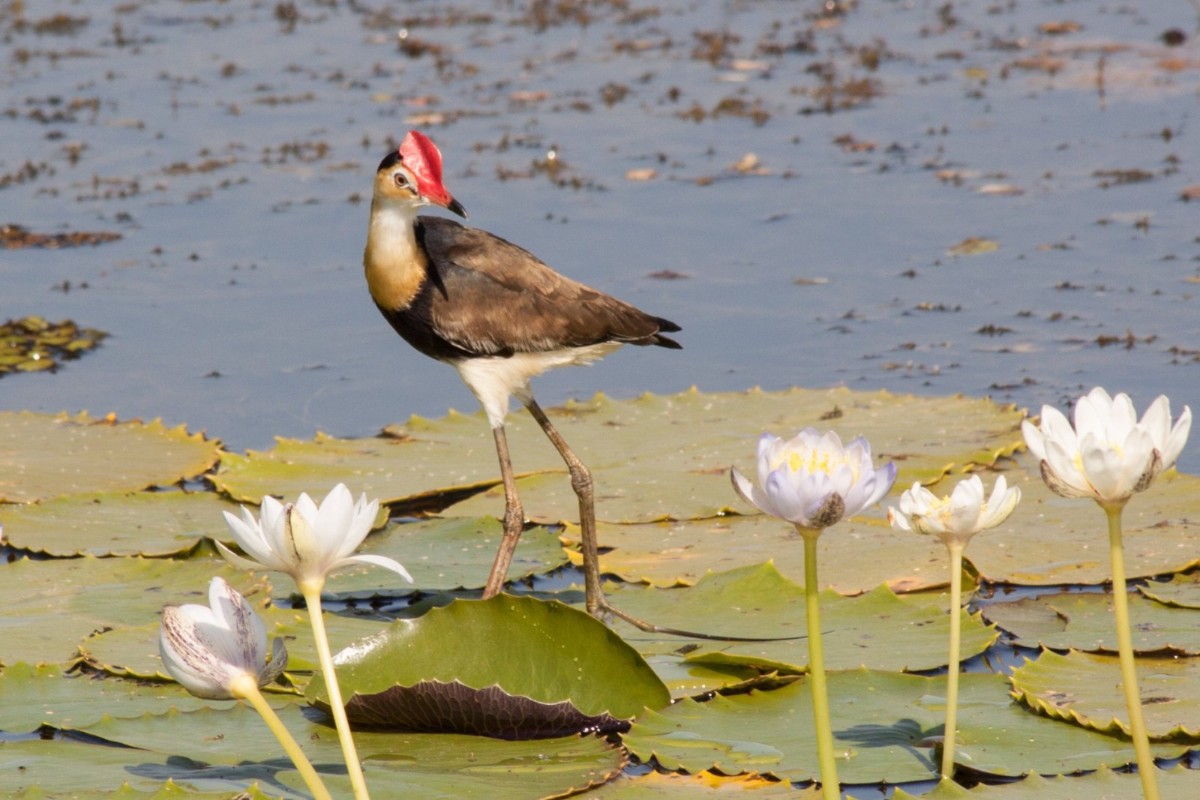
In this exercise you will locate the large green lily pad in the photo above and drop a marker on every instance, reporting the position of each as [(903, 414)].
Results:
[(1051, 540), (65, 769), (855, 556), (885, 727), (43, 695), (1085, 688), (654, 457), (1085, 622), (514, 667), (878, 630), (143, 523), (48, 607), (233, 746), (444, 554), (45, 455)]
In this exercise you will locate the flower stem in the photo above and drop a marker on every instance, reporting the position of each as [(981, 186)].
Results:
[(312, 598), (1137, 725), (247, 690), (823, 727), (952, 670)]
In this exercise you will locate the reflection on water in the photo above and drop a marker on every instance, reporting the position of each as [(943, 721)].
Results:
[(806, 179)]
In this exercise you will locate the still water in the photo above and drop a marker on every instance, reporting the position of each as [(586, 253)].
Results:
[(788, 181)]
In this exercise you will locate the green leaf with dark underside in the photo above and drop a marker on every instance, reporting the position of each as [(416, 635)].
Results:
[(511, 667)]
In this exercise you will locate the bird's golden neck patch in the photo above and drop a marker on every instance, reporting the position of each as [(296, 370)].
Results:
[(393, 262)]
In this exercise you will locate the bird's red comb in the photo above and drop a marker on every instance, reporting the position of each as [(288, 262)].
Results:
[(424, 160)]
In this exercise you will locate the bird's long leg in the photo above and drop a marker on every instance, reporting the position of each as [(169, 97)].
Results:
[(581, 482), (514, 518)]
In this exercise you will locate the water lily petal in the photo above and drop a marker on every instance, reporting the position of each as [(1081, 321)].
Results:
[(375, 560)]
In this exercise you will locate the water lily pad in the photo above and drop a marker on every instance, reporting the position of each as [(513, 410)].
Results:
[(757, 601), (679, 553), (132, 650), (1051, 540), (1178, 783), (65, 769), (49, 455), (33, 344), (34, 695), (445, 554), (1085, 622), (1086, 689), (48, 607), (654, 457), (1181, 591), (233, 746), (143, 523), (655, 785), (885, 727), (552, 669)]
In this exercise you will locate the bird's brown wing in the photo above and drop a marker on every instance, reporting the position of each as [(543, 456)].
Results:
[(487, 296)]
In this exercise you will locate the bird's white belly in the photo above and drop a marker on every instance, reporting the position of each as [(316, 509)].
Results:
[(494, 380)]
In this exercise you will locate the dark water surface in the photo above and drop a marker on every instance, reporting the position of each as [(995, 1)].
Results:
[(232, 146)]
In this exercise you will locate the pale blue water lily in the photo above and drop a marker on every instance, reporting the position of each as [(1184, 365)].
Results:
[(812, 480), (306, 540)]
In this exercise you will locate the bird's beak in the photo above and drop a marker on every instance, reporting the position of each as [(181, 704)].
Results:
[(456, 207)]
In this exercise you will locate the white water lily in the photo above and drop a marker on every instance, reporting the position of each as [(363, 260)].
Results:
[(219, 650), (954, 519), (958, 516), (812, 480), (305, 540), (1109, 454)]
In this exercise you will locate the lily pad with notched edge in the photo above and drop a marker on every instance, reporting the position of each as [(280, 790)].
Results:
[(885, 727), (48, 607), (152, 524), (231, 748), (1085, 622), (680, 553), (1085, 688), (654, 457), (49, 455), (878, 630), (1051, 540), (1177, 783), (444, 554), (509, 667)]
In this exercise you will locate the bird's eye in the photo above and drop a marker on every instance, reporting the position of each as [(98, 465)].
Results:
[(401, 180)]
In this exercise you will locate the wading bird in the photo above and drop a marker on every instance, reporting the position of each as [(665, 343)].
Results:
[(496, 314)]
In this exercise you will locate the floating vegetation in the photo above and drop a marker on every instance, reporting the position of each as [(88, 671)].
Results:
[(16, 237), (32, 344)]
